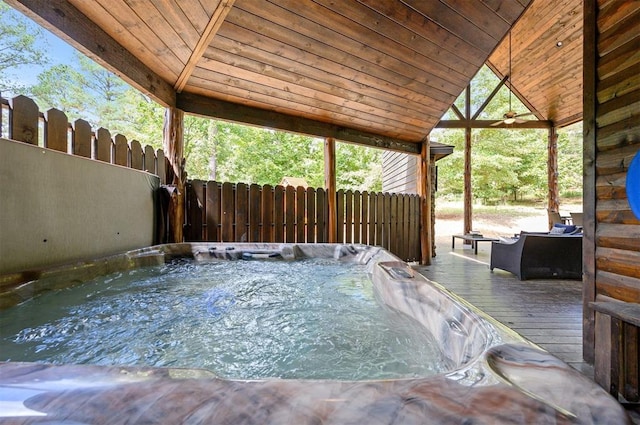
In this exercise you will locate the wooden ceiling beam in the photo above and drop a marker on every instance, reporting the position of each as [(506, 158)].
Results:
[(569, 120), (201, 105), (217, 18), (66, 21), (491, 124)]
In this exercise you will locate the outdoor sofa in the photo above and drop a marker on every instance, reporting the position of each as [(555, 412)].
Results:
[(540, 256)]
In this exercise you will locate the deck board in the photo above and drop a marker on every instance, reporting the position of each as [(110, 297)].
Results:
[(546, 312)]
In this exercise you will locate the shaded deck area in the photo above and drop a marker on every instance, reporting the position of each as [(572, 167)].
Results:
[(547, 312)]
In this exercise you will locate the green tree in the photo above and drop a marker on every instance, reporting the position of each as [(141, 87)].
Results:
[(84, 90), (17, 46), (570, 163), (358, 167), (58, 88), (265, 156)]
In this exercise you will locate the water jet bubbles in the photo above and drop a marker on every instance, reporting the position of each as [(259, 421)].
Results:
[(218, 301)]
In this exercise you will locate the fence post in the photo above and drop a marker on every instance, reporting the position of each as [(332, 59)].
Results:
[(330, 186), (173, 143)]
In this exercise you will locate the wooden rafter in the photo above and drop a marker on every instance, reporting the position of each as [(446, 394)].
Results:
[(456, 111), (217, 18), (490, 97)]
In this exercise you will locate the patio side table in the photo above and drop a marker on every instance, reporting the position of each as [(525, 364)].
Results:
[(474, 241)]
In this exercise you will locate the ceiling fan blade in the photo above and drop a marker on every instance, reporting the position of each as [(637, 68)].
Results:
[(520, 121), (525, 114), (496, 123)]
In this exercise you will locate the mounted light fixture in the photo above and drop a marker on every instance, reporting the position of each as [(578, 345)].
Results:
[(559, 43)]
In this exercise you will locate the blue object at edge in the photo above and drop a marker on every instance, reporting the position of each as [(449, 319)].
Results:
[(633, 185)]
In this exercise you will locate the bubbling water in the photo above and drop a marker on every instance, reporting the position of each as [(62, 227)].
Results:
[(308, 319)]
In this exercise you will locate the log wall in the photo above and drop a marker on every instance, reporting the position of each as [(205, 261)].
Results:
[(612, 139)]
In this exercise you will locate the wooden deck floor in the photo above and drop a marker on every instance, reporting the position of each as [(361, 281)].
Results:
[(547, 312)]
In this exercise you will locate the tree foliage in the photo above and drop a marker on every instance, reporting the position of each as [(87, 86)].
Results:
[(85, 90), (17, 46)]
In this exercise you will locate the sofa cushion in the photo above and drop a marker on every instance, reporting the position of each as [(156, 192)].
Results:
[(556, 230), (559, 229)]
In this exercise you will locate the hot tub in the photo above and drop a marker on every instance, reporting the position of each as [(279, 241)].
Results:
[(493, 375)]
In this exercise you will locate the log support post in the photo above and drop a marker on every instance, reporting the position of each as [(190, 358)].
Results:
[(468, 198), (426, 234), (173, 144), (552, 174), (330, 186)]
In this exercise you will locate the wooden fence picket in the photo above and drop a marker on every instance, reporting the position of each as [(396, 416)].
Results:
[(348, 216), (228, 212), (310, 215), (379, 219), (149, 159), (254, 213), (357, 218), (104, 145), (267, 220), (137, 156), (391, 223), (161, 166), (278, 213), (321, 216), (121, 150), (213, 211), (56, 130), (241, 212), (289, 214), (340, 216), (23, 120), (371, 236), (196, 209), (81, 138), (300, 214), (414, 219)]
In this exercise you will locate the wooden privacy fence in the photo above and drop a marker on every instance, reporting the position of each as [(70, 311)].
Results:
[(21, 120), (227, 212)]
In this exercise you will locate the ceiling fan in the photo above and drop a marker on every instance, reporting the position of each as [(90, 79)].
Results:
[(511, 117)]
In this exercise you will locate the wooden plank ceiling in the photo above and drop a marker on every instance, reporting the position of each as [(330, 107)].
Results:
[(376, 72), (546, 60)]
